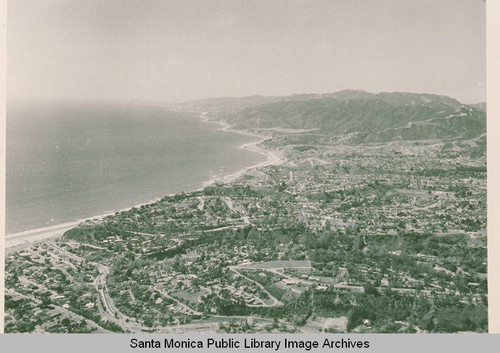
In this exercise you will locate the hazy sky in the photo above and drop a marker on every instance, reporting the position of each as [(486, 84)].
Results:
[(169, 50)]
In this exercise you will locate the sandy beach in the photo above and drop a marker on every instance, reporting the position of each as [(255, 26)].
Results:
[(273, 157), (30, 236), (17, 240)]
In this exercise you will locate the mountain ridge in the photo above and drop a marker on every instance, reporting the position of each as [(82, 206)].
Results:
[(365, 117), (347, 94)]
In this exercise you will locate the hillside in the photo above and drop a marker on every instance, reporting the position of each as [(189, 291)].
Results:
[(366, 117)]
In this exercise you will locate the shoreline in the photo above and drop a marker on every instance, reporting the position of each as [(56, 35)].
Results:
[(28, 237), (273, 157)]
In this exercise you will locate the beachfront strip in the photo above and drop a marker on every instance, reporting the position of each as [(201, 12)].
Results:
[(375, 237)]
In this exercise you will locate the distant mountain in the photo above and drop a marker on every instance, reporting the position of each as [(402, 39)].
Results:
[(398, 98), (228, 104), (366, 117)]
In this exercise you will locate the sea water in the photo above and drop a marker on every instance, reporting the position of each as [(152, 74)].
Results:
[(69, 160)]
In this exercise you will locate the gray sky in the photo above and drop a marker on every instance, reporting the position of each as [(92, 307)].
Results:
[(176, 50)]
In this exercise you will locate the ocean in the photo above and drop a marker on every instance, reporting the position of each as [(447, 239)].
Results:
[(75, 159)]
